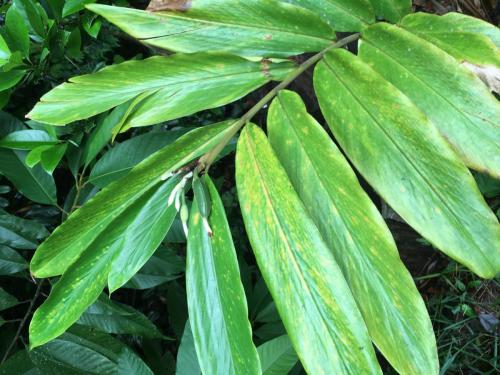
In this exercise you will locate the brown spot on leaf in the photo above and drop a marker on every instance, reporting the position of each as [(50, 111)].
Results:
[(490, 75), (169, 5), (268, 37), (264, 66)]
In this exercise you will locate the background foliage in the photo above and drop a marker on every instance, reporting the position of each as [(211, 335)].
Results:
[(143, 328)]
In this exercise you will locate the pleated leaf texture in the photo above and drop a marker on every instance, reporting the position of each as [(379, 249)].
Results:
[(412, 110)]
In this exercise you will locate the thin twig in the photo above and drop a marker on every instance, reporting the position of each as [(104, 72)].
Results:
[(23, 321)]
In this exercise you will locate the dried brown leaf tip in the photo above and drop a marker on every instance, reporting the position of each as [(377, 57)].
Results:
[(490, 75), (169, 5)]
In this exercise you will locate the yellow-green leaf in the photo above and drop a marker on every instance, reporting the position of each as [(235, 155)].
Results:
[(456, 101), (74, 236), (310, 292), (165, 88), (355, 232), (401, 154), (217, 305), (251, 28)]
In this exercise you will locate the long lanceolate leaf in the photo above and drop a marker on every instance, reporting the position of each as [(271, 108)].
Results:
[(82, 283), (311, 295), (158, 88), (216, 300), (342, 15), (75, 235), (253, 28), (401, 154), (350, 224), (456, 101)]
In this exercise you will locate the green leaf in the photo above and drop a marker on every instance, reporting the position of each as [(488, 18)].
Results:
[(417, 173), (140, 241), (277, 356), (342, 15), (34, 183), (216, 299), (112, 317), (70, 239), (73, 6), (310, 292), (392, 10), (4, 51), (452, 34), (187, 361), (27, 139), (34, 15), (456, 101), (170, 87), (162, 267), (19, 364), (252, 28), (355, 232), (7, 300), (120, 159), (20, 233), (10, 79), (16, 31), (82, 351), (10, 261), (104, 259), (102, 133), (51, 157)]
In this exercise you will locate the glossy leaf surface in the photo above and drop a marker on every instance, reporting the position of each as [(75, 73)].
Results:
[(27, 139), (187, 360), (452, 34), (217, 304), (20, 233), (70, 239), (342, 15), (310, 292), (418, 174), (163, 88), (247, 28), (355, 232), (456, 101)]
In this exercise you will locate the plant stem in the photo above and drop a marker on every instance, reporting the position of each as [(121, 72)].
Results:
[(207, 159), (23, 321)]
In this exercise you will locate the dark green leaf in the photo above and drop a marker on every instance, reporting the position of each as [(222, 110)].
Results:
[(113, 317), (392, 10), (162, 267), (277, 356), (187, 361), (34, 183), (20, 233), (120, 159), (7, 300), (10, 261)]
